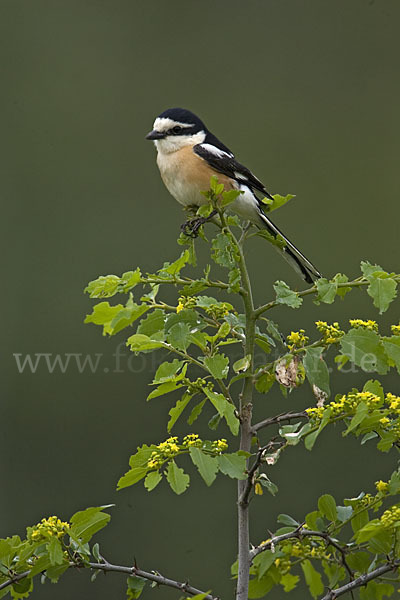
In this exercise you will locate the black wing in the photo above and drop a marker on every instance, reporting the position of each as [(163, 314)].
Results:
[(220, 158)]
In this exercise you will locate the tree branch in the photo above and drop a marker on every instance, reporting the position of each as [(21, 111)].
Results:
[(361, 581), (278, 419), (133, 571)]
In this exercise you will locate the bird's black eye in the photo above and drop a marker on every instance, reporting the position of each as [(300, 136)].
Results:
[(177, 129)]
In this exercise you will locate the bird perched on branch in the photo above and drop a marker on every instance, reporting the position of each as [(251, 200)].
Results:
[(188, 154)]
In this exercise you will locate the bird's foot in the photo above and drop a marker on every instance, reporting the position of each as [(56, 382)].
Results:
[(191, 227)]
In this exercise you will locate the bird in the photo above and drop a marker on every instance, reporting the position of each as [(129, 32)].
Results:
[(188, 155)]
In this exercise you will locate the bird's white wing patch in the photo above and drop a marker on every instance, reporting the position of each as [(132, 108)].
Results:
[(216, 151)]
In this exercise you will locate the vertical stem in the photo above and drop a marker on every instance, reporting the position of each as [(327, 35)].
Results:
[(246, 405)]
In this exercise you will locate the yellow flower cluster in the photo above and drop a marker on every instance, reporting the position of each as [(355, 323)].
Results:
[(297, 339), (171, 448), (360, 324), (393, 401), (220, 445), (381, 486), (307, 548), (331, 333), (391, 516), (346, 404), (165, 450), (192, 439), (185, 302), (395, 329), (47, 528)]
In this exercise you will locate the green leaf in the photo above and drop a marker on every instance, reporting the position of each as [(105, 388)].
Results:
[(392, 348), (175, 267), (359, 520), (277, 201), (139, 343), (376, 591), (55, 551), (20, 589), (179, 336), (284, 295), (153, 323), (109, 285), (382, 287), (177, 410), (311, 438), (196, 411), (167, 371), (233, 465), (313, 579), (364, 348), (360, 414), (289, 582), (287, 520), (316, 369), (326, 290), (152, 480), (206, 464), (327, 506), (229, 197), (225, 409), (135, 586), (370, 530), (242, 364), (344, 513), (54, 573), (177, 478), (375, 387), (218, 365), (265, 383), (224, 251), (85, 523), (263, 561), (131, 477)]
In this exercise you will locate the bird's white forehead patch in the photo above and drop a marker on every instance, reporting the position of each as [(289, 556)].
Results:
[(162, 124)]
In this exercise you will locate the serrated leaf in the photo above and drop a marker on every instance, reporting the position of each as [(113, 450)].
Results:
[(218, 365), (131, 477), (242, 364), (167, 371), (264, 561), (265, 383), (289, 581), (177, 478), (360, 414), (375, 387), (177, 410), (196, 411), (152, 323), (139, 343), (364, 348), (313, 578), (326, 290), (179, 336), (176, 267), (85, 523), (206, 464), (55, 551), (382, 289), (225, 409), (135, 586), (327, 506), (233, 465), (284, 295), (152, 480), (164, 388), (316, 369), (392, 348), (276, 202)]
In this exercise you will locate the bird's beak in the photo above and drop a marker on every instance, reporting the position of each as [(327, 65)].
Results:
[(155, 135)]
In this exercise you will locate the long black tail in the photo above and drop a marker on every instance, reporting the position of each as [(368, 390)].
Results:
[(291, 254)]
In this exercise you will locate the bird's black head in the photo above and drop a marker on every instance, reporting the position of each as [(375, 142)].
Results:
[(176, 122)]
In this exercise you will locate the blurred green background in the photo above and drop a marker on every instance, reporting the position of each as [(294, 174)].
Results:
[(307, 95)]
